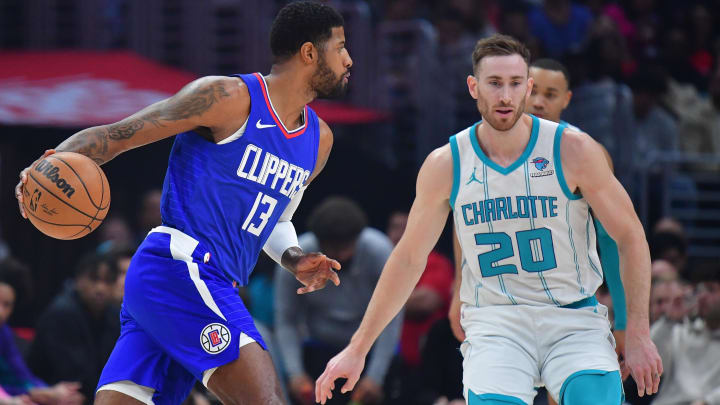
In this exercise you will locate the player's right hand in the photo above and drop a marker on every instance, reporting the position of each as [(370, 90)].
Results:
[(348, 364), (23, 179), (314, 270)]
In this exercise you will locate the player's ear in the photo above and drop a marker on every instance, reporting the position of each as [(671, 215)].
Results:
[(568, 97), (309, 53), (472, 86)]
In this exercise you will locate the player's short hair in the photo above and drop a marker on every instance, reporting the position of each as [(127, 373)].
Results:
[(337, 220), (498, 45), (300, 22), (554, 65)]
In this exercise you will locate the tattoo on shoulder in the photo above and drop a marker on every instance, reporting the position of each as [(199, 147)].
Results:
[(182, 106)]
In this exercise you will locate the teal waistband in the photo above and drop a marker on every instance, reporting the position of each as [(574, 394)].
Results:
[(585, 302)]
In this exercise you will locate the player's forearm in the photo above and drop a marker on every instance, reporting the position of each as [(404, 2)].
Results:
[(95, 143), (635, 266), (400, 275)]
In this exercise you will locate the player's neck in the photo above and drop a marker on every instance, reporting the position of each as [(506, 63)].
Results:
[(289, 93), (505, 147)]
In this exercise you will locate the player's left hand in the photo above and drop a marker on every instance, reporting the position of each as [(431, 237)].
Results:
[(644, 363), (314, 270), (367, 391)]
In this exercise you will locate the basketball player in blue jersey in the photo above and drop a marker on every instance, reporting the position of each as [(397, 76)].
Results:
[(246, 148), (530, 274)]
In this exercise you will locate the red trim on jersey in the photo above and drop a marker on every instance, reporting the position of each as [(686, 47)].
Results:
[(288, 135)]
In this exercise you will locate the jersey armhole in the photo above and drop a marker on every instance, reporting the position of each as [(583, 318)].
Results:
[(558, 164), (456, 170)]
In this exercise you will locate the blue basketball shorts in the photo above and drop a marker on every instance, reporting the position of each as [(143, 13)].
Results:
[(180, 317)]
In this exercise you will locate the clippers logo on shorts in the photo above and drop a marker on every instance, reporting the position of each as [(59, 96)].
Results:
[(215, 338)]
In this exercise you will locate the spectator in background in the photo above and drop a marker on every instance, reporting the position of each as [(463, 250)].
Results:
[(667, 299), (149, 216), (656, 130), (338, 228), (561, 26), (121, 256), (114, 232), (671, 247), (77, 332), (690, 350), (15, 378), (663, 270), (602, 106), (428, 303)]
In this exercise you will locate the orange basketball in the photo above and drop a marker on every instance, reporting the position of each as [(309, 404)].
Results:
[(66, 195)]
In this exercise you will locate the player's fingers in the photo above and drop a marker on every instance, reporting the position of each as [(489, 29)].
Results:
[(649, 383), (655, 382), (335, 264), (321, 387), (639, 381), (334, 277), (349, 384), (659, 366)]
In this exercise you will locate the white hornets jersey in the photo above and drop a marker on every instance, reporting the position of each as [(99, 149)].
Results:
[(525, 237)]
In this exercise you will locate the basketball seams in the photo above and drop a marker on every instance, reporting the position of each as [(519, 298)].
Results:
[(79, 178), (39, 184), (84, 227)]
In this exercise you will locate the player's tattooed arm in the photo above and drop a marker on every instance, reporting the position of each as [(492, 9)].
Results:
[(206, 102)]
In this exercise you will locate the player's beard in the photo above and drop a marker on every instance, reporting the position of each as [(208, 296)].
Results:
[(488, 117), (326, 83)]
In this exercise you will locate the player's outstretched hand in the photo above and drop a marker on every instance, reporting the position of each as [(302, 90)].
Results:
[(644, 363), (348, 364), (314, 270), (23, 179)]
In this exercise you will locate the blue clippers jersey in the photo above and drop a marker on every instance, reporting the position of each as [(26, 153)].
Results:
[(229, 196)]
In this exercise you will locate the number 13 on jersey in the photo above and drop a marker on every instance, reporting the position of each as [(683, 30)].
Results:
[(267, 204)]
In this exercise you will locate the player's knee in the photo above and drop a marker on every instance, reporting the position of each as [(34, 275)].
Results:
[(592, 389)]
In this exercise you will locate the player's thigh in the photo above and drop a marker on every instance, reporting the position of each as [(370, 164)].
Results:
[(585, 347), (250, 379), (496, 368), (109, 397)]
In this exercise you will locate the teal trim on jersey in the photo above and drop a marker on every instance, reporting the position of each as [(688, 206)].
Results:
[(590, 301), (486, 190), (558, 164), (572, 244), (505, 170), (602, 387), (610, 260), (493, 399), (532, 226), (456, 170), (587, 238)]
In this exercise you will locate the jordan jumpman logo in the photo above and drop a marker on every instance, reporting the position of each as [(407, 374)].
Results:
[(473, 178)]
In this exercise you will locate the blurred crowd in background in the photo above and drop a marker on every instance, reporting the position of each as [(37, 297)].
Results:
[(645, 76)]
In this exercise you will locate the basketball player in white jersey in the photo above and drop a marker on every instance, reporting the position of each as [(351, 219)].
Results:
[(520, 189)]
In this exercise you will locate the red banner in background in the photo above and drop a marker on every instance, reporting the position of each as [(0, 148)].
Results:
[(85, 88)]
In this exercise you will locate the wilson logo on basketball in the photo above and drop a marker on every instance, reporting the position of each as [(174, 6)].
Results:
[(51, 172)]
